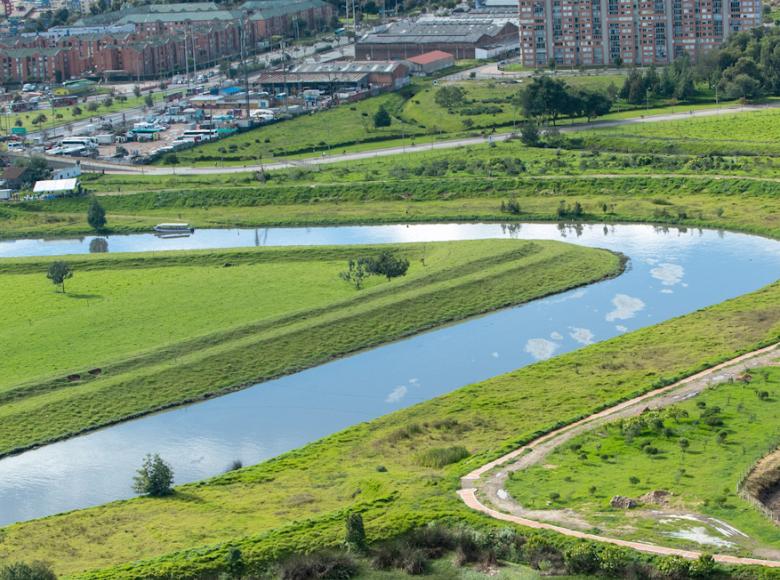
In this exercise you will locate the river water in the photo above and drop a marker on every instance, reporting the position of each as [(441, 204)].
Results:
[(671, 272)]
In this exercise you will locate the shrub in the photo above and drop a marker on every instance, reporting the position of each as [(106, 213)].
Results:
[(582, 558), (387, 264), (612, 560), (673, 567), (433, 539), (703, 567), (356, 533), (22, 571), (542, 554), (319, 565), (441, 456)]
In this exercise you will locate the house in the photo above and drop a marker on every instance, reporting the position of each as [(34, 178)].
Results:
[(430, 62), (15, 177), (57, 187), (67, 172)]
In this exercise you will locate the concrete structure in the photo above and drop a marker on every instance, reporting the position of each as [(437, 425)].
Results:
[(430, 62), (457, 36), (641, 32)]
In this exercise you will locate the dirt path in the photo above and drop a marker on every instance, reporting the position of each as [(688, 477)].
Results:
[(488, 481)]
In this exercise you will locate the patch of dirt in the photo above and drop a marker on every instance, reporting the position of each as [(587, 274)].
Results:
[(763, 485)]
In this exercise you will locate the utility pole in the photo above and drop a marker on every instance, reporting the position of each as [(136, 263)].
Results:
[(243, 62)]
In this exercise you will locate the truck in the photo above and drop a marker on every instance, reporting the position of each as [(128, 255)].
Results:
[(105, 139)]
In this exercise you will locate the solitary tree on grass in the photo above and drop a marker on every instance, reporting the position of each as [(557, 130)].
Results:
[(96, 215), (59, 272), (382, 118), (154, 478)]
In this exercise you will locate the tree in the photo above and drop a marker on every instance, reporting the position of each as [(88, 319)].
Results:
[(529, 134), (356, 273), (593, 104), (382, 117), (96, 215), (92, 106), (59, 272), (76, 111), (22, 571), (39, 119), (387, 264), (684, 444), (148, 101), (154, 478), (450, 96), (545, 97), (356, 533), (37, 169), (108, 101), (137, 91)]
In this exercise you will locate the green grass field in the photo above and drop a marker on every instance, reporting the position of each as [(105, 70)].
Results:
[(259, 508), (265, 302), (756, 133), (703, 478), (64, 115), (416, 116)]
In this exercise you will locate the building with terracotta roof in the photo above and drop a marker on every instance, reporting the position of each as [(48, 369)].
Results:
[(430, 62)]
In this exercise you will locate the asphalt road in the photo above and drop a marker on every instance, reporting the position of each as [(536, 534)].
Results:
[(107, 167)]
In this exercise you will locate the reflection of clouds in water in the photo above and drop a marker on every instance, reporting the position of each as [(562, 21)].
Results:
[(414, 381), (540, 348), (396, 395), (581, 335), (667, 291), (668, 274), (625, 307), (621, 328), (570, 296), (494, 355), (556, 336)]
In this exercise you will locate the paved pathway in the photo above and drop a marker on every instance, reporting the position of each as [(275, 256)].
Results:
[(108, 167), (487, 480)]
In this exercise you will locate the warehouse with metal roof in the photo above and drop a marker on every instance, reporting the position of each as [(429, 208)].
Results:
[(457, 36)]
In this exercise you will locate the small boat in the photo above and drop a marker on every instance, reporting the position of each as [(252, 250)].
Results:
[(173, 229)]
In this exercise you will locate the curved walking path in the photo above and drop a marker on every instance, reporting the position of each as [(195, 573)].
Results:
[(108, 167), (488, 481)]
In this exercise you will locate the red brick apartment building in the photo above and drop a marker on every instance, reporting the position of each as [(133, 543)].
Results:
[(155, 40), (642, 32)]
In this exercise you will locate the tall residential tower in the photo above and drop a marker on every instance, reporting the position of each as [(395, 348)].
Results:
[(642, 32)]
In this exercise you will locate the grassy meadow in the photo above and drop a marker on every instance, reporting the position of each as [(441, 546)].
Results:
[(139, 318), (755, 133), (636, 456), (416, 118), (298, 501)]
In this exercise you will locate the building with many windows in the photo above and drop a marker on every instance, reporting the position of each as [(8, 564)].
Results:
[(641, 32)]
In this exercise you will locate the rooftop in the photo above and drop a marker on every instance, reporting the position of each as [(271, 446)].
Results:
[(55, 185), (429, 57), (358, 66), (293, 78), (434, 30)]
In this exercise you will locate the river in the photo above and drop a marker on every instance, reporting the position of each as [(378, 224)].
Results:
[(671, 272)]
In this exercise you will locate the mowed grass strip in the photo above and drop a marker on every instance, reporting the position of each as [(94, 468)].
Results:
[(456, 281), (298, 501), (680, 450)]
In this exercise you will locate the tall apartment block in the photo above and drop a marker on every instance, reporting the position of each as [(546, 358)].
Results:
[(642, 32)]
